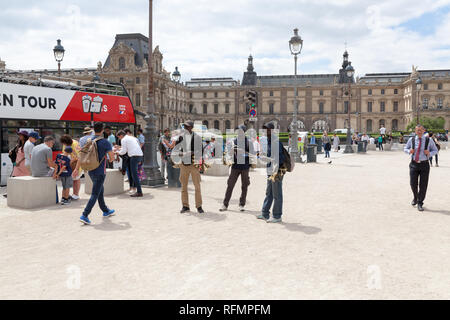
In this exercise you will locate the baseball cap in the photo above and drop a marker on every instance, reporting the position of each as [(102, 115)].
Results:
[(35, 135), (189, 123)]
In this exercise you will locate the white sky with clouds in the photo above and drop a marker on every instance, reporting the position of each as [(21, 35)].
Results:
[(212, 38)]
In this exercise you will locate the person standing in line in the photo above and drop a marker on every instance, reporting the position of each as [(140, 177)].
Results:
[(33, 137), (67, 141), (64, 173), (242, 149), (438, 146), (42, 164), (326, 144), (130, 146), (112, 140), (164, 143), (98, 175), (365, 140), (141, 138), (173, 174), (336, 142), (421, 149), (380, 143), (20, 168), (274, 189), (191, 147)]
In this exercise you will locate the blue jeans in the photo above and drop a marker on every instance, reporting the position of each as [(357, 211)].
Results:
[(274, 193), (134, 162), (97, 194)]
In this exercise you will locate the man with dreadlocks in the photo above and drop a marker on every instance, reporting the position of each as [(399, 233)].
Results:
[(275, 173)]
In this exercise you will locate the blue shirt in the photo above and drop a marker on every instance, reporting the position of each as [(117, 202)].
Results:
[(84, 140), (141, 139), (63, 161), (112, 139), (313, 140), (103, 147), (413, 143)]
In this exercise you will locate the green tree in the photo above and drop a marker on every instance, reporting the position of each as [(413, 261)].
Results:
[(429, 123)]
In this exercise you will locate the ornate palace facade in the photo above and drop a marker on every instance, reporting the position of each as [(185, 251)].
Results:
[(388, 99)]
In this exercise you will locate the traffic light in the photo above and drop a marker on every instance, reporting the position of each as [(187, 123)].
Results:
[(251, 97)]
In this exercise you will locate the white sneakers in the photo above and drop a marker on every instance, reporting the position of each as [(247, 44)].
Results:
[(75, 197), (224, 208)]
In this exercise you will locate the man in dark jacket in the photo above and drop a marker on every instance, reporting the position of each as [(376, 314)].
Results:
[(274, 190), (241, 149), (189, 150)]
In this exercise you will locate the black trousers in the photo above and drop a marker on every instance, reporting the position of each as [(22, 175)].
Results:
[(245, 181), (419, 174)]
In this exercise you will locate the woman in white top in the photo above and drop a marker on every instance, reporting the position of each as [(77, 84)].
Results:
[(336, 142)]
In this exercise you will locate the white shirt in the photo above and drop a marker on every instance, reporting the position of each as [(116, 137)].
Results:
[(188, 137), (365, 138), (27, 149), (372, 140), (131, 146), (383, 130)]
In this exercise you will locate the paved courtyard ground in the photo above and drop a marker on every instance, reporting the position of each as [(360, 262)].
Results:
[(349, 232)]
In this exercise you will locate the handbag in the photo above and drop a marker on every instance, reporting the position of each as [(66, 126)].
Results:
[(141, 173)]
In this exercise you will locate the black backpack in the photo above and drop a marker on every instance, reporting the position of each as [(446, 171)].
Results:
[(13, 154), (289, 162)]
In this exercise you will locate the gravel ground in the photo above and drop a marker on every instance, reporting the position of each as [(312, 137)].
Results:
[(349, 232)]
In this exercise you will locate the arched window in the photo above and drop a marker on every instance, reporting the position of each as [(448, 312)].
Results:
[(319, 125), (216, 124), (205, 123), (382, 123), (227, 124), (121, 63), (369, 126), (394, 125)]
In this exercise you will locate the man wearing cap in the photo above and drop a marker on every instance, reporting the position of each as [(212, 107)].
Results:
[(421, 149), (28, 148), (274, 190), (189, 149), (241, 148)]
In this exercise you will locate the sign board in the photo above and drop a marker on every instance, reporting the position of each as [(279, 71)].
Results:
[(252, 115), (40, 103)]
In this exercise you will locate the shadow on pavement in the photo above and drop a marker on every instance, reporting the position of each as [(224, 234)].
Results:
[(208, 216), (444, 212), (108, 225)]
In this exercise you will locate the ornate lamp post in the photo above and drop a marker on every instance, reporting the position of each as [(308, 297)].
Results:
[(350, 71), (59, 51), (295, 45), (176, 76), (151, 167), (418, 87)]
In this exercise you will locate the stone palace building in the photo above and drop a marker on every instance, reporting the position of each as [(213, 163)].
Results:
[(377, 99)]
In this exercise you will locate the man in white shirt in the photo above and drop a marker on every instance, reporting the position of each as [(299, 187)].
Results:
[(382, 130), (28, 148), (130, 145), (372, 140), (365, 140)]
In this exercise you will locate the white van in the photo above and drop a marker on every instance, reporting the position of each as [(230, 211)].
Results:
[(343, 131)]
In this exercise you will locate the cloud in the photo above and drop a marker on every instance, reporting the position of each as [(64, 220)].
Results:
[(213, 38)]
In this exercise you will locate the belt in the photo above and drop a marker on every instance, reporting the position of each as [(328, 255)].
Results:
[(419, 162)]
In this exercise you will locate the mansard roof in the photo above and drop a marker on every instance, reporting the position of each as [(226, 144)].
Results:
[(138, 42)]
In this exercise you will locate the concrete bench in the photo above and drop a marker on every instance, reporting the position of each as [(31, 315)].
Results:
[(218, 169), (387, 147), (444, 145), (371, 147), (113, 183), (30, 193), (355, 148)]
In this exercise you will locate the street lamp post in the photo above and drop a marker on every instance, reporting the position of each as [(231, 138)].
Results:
[(418, 87), (295, 45), (176, 76), (151, 167), (59, 51), (350, 71)]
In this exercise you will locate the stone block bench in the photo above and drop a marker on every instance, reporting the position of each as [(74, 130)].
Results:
[(31, 193), (387, 147), (113, 183), (371, 147)]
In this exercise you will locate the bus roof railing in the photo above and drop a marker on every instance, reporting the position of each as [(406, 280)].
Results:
[(43, 80)]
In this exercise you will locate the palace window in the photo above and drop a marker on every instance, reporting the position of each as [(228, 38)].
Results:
[(121, 63), (382, 106), (191, 108), (394, 125), (271, 93), (439, 86), (216, 124), (227, 94), (321, 107), (425, 103), (227, 125), (190, 95), (321, 92), (383, 91), (138, 80), (121, 80), (395, 106), (425, 86), (216, 108), (395, 91), (270, 108), (440, 103), (369, 92), (227, 108), (345, 106), (138, 100), (369, 106), (216, 94), (204, 95), (205, 108), (369, 126)]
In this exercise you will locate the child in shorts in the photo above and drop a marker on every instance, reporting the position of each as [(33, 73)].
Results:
[(64, 173)]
